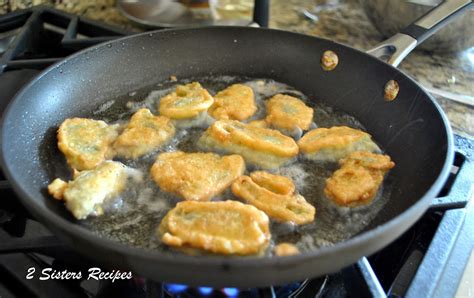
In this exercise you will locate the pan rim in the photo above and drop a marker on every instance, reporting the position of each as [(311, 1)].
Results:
[(69, 227)]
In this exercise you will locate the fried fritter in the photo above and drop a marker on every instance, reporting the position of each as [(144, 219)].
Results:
[(369, 160), (196, 176), (228, 227), (263, 147), (85, 142), (358, 179), (288, 113), (275, 196), (57, 188), (143, 134), (236, 102), (286, 249), (352, 186), (258, 123), (85, 194), (332, 144), (275, 183), (187, 103)]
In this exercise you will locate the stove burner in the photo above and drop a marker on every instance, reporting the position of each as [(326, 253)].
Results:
[(40, 36), (177, 290), (310, 287), (290, 290)]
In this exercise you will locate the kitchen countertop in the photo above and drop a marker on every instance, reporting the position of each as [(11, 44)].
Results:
[(448, 76)]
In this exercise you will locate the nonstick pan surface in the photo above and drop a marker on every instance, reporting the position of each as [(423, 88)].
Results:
[(412, 129)]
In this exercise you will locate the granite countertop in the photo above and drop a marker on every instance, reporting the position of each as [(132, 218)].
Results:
[(448, 76)]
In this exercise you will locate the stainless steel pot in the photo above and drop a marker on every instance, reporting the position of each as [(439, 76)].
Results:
[(390, 16)]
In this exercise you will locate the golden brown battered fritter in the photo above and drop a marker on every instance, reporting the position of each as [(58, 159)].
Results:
[(143, 134), (332, 144), (258, 123), (236, 102), (275, 196), (196, 176), (358, 179), (228, 227), (275, 183), (352, 186), (286, 249), (187, 101), (85, 194), (369, 160), (288, 113), (85, 142), (263, 147), (57, 188)]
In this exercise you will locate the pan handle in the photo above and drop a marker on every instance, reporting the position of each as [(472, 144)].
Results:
[(397, 47)]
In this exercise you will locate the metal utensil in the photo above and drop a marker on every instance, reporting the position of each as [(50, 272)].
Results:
[(169, 13)]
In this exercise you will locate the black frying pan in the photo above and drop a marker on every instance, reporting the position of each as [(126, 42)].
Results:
[(412, 129)]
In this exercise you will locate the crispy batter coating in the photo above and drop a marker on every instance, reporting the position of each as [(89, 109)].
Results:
[(258, 123), (267, 194), (236, 102), (85, 142), (358, 179), (288, 113), (57, 188), (352, 186), (196, 176), (369, 160), (332, 144), (85, 194), (228, 227), (187, 101), (286, 249), (275, 183), (143, 134), (263, 147)]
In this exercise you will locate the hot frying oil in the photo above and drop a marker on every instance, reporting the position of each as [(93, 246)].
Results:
[(133, 218)]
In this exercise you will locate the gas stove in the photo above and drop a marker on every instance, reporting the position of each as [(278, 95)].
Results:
[(428, 260)]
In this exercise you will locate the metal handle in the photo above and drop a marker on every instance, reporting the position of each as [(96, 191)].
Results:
[(261, 11), (397, 47)]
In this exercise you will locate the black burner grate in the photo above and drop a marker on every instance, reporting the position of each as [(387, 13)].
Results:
[(40, 36)]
